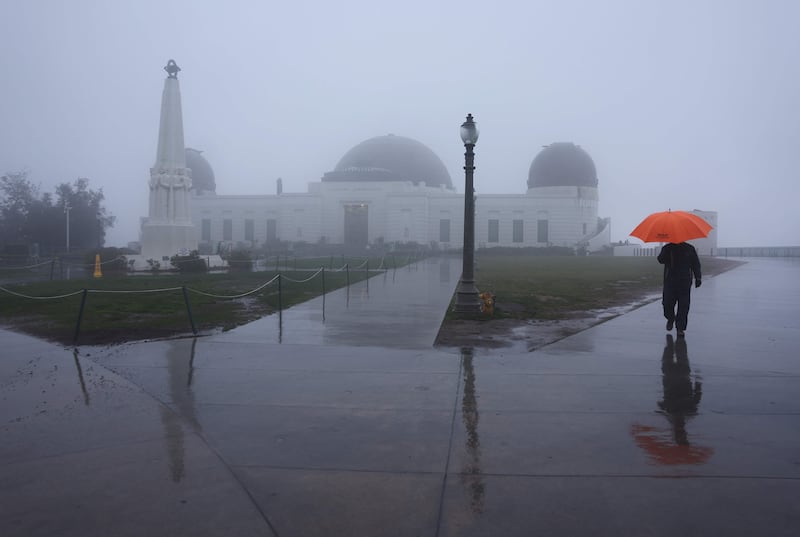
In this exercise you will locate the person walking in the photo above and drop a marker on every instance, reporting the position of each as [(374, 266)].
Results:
[(681, 265)]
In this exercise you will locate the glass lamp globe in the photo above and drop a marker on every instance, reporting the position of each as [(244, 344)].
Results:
[(469, 131)]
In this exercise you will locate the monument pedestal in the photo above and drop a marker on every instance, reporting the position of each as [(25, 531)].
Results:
[(138, 263), (160, 241)]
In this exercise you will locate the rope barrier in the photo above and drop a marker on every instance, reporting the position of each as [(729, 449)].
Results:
[(67, 263), (211, 295), (303, 281), (345, 267), (111, 260), (28, 266), (63, 263), (133, 291), (54, 297)]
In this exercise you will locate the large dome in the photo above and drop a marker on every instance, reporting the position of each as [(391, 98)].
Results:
[(562, 164), (391, 158), (202, 174)]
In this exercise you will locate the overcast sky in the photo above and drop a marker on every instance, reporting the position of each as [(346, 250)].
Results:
[(681, 104)]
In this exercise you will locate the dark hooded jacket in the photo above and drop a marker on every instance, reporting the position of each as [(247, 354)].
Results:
[(681, 263)]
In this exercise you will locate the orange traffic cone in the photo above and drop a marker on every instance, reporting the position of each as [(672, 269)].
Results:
[(97, 272)]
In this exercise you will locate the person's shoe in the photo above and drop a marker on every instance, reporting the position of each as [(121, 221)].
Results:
[(681, 333), (670, 324)]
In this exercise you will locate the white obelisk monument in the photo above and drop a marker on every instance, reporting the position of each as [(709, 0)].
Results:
[(168, 228)]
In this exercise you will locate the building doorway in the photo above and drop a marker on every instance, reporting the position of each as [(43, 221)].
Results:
[(356, 230)]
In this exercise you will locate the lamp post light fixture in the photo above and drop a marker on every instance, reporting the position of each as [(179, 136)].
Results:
[(467, 299)]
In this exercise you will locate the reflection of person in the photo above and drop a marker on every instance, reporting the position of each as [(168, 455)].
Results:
[(681, 395), (681, 265), (680, 403)]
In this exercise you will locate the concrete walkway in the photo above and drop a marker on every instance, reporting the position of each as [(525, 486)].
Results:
[(214, 436), (399, 308)]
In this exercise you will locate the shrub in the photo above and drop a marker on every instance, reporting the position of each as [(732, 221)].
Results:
[(240, 260), (189, 263)]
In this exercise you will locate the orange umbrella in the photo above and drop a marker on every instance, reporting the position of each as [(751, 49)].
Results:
[(671, 226)]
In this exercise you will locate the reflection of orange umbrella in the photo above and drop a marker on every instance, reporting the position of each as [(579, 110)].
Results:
[(663, 450), (671, 226)]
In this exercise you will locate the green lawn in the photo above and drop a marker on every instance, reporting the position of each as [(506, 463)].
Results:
[(115, 317), (558, 287)]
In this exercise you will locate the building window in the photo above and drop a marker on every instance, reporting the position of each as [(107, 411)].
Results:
[(249, 230), (227, 229), (517, 235), (444, 230), (584, 228), (494, 230), (541, 231), (205, 230), (272, 230)]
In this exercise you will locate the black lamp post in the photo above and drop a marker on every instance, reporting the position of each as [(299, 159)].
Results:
[(467, 299)]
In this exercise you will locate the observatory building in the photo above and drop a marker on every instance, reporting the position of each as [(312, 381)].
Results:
[(393, 189), (385, 190)]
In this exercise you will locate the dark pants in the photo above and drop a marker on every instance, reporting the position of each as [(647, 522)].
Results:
[(679, 293)]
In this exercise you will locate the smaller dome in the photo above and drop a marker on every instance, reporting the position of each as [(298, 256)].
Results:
[(202, 174), (562, 164)]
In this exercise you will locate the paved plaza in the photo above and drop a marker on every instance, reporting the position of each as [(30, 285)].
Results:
[(345, 420)]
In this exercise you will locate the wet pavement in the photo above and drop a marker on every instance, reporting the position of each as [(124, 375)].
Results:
[(618, 430), (399, 308)]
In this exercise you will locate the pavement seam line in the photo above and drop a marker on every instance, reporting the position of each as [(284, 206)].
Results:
[(449, 445), (203, 440)]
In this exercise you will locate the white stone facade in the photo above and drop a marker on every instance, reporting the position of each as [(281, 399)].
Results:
[(402, 212)]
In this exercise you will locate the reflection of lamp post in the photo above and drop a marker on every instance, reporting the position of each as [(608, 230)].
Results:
[(467, 300), (66, 212)]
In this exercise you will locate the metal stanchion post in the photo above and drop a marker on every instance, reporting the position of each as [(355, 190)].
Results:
[(188, 309), (280, 294), (280, 310), (80, 317), (323, 294)]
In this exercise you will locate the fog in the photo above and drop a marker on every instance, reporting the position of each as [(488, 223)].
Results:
[(681, 104)]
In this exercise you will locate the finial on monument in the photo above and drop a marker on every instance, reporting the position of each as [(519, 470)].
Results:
[(172, 69)]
